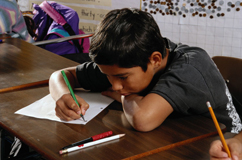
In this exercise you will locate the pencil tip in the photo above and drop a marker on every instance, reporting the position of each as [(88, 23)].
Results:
[(83, 118)]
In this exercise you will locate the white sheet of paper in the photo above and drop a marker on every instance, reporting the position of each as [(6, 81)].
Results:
[(45, 107)]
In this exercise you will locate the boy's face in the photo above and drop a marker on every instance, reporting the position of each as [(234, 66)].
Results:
[(128, 80)]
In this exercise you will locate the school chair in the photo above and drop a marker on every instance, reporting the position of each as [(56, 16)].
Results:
[(24, 152), (77, 57), (231, 70)]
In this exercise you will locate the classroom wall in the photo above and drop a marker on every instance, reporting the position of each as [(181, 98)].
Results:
[(213, 26)]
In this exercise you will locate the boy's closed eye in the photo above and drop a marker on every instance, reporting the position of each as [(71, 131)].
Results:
[(123, 78)]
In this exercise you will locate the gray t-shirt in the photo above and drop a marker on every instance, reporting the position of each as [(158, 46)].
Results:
[(188, 82)]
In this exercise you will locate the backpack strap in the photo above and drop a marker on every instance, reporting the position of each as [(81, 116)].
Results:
[(57, 17)]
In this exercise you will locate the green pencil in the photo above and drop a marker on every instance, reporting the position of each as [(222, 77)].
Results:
[(70, 89)]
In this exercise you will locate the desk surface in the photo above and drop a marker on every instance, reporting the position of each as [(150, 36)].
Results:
[(198, 150), (21, 63), (25, 63), (4, 36)]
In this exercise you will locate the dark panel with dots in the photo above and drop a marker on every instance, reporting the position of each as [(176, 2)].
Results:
[(185, 8)]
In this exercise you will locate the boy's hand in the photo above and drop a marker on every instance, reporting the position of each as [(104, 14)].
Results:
[(112, 94), (217, 152), (67, 109)]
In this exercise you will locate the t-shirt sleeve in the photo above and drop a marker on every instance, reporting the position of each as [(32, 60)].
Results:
[(183, 92), (91, 78)]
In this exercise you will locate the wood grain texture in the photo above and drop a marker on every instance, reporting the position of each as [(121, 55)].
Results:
[(157, 150), (23, 63)]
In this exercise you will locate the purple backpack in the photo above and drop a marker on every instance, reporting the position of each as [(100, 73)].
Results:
[(61, 21)]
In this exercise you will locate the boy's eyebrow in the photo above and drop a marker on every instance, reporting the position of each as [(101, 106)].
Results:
[(118, 75)]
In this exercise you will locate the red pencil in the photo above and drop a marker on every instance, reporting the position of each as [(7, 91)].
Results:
[(90, 139)]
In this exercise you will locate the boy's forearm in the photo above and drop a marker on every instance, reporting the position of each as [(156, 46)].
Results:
[(131, 108), (145, 113), (57, 85)]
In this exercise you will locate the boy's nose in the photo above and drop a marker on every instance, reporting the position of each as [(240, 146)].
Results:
[(116, 85)]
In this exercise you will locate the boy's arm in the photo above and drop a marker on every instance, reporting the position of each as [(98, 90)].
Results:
[(146, 113), (66, 107), (57, 84), (143, 113)]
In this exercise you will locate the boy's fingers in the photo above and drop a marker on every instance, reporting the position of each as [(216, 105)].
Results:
[(235, 148), (216, 150), (112, 94), (235, 157), (65, 113), (62, 116), (108, 93), (70, 102), (83, 105), (105, 93), (66, 108), (235, 151)]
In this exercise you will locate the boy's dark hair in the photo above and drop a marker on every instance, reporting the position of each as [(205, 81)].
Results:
[(127, 38)]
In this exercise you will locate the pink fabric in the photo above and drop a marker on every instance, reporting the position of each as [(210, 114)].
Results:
[(52, 13)]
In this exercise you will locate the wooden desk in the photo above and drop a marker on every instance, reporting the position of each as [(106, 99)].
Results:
[(21, 63), (26, 63), (198, 150), (4, 36)]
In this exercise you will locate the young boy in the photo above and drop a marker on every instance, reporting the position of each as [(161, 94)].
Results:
[(150, 75)]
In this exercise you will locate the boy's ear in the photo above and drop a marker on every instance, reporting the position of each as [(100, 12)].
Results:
[(156, 58)]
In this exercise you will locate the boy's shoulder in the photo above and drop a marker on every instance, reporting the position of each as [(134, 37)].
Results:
[(184, 54), (181, 50)]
